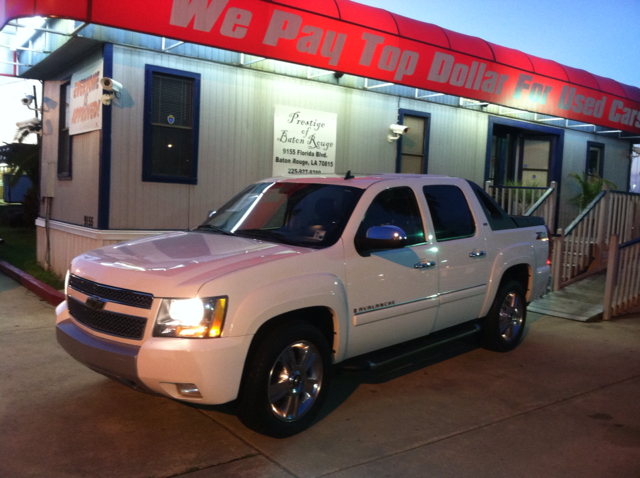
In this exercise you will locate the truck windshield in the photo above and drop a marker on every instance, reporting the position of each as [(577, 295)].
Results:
[(299, 214)]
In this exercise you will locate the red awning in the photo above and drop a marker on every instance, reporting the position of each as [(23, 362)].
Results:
[(349, 37)]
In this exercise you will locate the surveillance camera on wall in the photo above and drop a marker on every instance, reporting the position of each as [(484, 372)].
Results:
[(110, 84), (27, 100), (32, 122), (397, 130), (32, 125)]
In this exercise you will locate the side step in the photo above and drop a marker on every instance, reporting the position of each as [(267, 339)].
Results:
[(395, 353)]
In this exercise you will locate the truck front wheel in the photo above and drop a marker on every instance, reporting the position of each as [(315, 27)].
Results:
[(504, 326), (286, 380)]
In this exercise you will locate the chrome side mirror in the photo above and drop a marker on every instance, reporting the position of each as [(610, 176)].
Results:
[(382, 237)]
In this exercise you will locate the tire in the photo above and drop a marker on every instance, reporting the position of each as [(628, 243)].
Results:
[(286, 381), (504, 326)]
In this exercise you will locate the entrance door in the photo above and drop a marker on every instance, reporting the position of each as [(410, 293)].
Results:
[(536, 153), (521, 157)]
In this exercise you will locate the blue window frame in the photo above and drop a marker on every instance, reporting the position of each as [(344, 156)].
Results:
[(64, 140), (171, 125), (413, 147), (595, 158)]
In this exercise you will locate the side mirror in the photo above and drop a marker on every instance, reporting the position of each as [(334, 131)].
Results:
[(382, 237)]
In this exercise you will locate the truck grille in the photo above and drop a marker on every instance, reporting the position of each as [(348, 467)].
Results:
[(127, 326), (112, 294)]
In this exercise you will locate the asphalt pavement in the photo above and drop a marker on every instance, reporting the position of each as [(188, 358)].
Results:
[(565, 403)]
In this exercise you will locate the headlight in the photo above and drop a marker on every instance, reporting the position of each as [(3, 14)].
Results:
[(192, 318)]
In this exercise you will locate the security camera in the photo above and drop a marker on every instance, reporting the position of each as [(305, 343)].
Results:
[(397, 130), (31, 124), (27, 100), (110, 85)]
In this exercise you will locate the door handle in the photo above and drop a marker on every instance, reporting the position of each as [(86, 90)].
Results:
[(425, 265), (477, 254)]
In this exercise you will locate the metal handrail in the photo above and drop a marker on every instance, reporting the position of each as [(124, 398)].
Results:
[(585, 212), (630, 243), (518, 187), (540, 202)]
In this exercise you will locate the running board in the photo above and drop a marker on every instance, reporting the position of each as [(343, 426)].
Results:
[(395, 353)]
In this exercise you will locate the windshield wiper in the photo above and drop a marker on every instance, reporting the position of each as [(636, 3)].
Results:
[(212, 228)]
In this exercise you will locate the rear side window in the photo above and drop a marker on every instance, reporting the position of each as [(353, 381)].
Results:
[(497, 217), (452, 218)]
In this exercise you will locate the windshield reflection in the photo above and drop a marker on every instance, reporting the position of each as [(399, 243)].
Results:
[(299, 214)]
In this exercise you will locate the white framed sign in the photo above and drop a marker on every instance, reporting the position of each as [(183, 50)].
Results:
[(85, 104), (304, 142)]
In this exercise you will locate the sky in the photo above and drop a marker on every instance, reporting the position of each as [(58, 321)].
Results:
[(599, 36)]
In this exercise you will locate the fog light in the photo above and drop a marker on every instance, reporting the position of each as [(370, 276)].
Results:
[(188, 390)]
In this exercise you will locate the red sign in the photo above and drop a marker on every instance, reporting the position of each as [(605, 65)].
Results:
[(282, 32)]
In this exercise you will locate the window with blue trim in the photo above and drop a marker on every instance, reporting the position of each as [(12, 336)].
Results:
[(595, 159), (64, 140), (172, 99)]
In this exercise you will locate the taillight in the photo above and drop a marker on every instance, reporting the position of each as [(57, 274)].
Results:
[(546, 236), (550, 244)]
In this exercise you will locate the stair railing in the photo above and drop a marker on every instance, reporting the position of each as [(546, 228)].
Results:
[(526, 201), (624, 216), (622, 287), (581, 249), (576, 247)]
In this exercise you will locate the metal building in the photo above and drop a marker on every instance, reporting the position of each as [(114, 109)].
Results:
[(142, 134)]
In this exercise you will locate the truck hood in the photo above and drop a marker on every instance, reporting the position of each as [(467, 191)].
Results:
[(176, 264)]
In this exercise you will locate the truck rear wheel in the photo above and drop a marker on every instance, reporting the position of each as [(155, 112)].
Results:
[(504, 326), (286, 381)]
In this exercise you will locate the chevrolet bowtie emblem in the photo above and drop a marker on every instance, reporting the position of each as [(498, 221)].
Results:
[(95, 303)]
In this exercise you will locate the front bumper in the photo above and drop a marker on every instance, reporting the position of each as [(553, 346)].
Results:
[(114, 360), (157, 364)]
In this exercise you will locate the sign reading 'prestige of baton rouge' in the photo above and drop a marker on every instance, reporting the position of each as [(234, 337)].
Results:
[(304, 142)]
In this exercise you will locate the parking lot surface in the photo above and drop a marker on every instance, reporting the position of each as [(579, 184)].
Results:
[(565, 403)]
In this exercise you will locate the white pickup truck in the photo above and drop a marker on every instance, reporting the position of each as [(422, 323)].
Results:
[(293, 276)]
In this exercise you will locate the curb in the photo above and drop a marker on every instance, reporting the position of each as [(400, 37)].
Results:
[(42, 290)]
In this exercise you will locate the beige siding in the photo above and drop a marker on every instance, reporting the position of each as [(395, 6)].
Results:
[(78, 197), (64, 246), (74, 198), (236, 136), (68, 241), (458, 138)]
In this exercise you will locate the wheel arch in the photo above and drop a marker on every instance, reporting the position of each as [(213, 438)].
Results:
[(321, 317), (520, 271)]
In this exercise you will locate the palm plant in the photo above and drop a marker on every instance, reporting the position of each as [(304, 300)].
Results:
[(590, 186)]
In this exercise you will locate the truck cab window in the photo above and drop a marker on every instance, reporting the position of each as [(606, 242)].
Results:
[(452, 218), (395, 207)]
